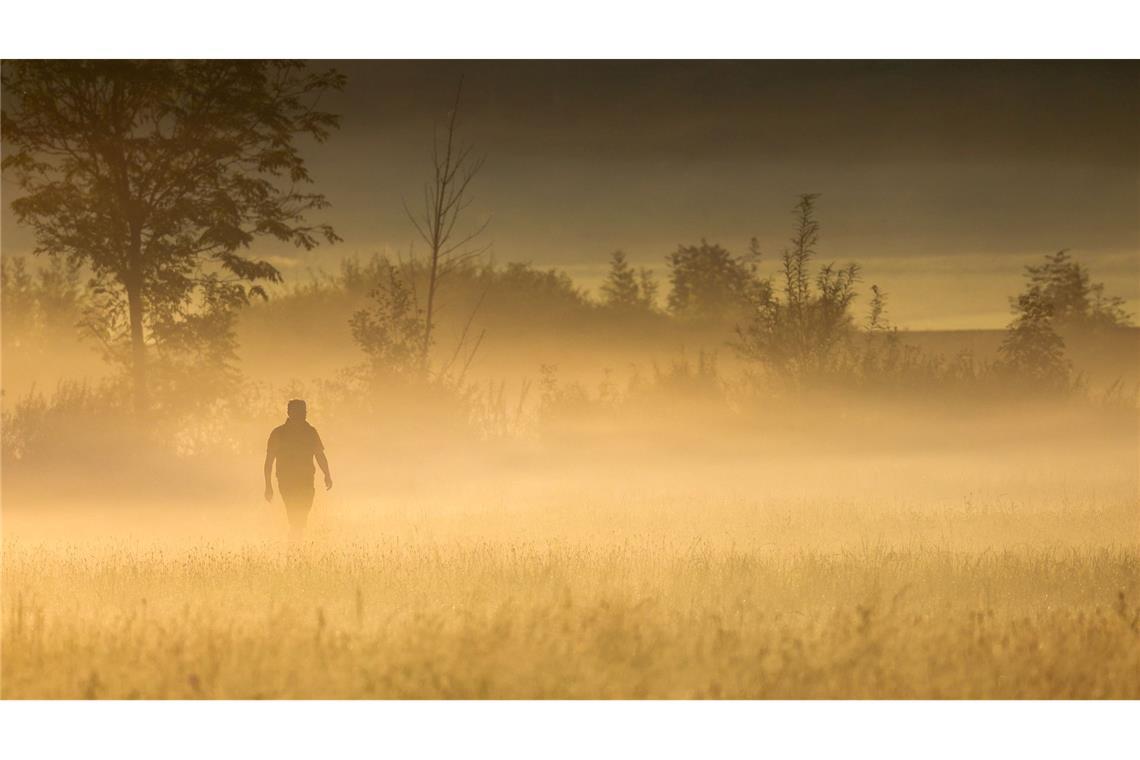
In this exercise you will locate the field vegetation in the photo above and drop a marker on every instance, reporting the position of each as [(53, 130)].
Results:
[(735, 476), (612, 595)]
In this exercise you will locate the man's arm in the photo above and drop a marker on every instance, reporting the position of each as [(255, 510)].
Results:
[(270, 455), (323, 462)]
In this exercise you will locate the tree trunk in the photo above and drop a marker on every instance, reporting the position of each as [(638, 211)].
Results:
[(138, 348), (432, 277)]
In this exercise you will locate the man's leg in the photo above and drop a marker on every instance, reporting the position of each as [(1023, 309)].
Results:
[(298, 498)]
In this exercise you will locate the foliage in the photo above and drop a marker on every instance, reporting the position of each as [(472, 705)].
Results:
[(680, 380), (40, 307), (626, 288), (514, 294), (390, 330), (195, 358), (1058, 297), (1063, 286), (562, 402), (709, 283), (1032, 350), (155, 175), (801, 335), (531, 291), (71, 426)]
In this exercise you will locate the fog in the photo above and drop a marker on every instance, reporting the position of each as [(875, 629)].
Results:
[(728, 380), (562, 404)]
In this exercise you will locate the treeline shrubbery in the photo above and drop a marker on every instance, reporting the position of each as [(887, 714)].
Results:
[(155, 271), (38, 308), (795, 332)]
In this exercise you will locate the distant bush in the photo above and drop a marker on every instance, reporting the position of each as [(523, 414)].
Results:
[(801, 334), (625, 289), (710, 284), (390, 330), (39, 307), (1032, 351), (74, 424), (1062, 288), (1058, 298)]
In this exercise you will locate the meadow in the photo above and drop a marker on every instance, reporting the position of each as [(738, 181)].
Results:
[(970, 576)]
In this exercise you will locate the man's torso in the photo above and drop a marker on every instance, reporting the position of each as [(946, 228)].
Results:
[(295, 444)]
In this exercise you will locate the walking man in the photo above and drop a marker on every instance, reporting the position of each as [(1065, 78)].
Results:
[(294, 446)]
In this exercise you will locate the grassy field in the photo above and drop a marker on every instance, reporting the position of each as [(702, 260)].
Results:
[(617, 597)]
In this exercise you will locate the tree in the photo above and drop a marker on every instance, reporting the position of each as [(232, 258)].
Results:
[(802, 333), (156, 176), (1032, 349), (1074, 301), (39, 309), (708, 282), (877, 321), (798, 257), (647, 281), (625, 288), (18, 300), (390, 330), (445, 198)]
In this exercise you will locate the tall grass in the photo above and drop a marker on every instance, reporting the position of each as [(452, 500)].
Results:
[(602, 599)]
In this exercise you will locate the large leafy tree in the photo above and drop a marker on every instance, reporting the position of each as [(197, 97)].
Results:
[(157, 176)]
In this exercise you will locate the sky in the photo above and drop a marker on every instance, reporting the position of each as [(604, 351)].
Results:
[(942, 179)]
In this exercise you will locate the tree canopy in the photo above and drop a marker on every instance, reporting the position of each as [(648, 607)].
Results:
[(1064, 286), (708, 282), (802, 332), (627, 288), (156, 176)]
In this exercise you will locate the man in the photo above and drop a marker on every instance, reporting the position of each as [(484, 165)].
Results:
[(293, 446)]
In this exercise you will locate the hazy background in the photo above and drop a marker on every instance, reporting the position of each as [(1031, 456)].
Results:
[(942, 180), (928, 170)]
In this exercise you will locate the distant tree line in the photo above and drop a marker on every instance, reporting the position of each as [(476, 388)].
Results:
[(145, 183)]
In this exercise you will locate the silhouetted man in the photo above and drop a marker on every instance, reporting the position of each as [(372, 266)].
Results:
[(294, 445)]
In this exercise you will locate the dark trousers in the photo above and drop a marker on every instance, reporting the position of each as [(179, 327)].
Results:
[(297, 493)]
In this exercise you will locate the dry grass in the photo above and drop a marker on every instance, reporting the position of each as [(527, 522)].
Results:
[(624, 598)]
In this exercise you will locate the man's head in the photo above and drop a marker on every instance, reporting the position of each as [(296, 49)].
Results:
[(297, 410)]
